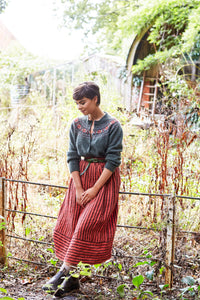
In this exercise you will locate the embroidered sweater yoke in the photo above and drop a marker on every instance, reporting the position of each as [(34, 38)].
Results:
[(104, 142)]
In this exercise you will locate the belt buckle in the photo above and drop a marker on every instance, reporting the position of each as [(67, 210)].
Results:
[(95, 160)]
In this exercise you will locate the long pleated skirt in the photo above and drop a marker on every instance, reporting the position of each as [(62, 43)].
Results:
[(86, 234)]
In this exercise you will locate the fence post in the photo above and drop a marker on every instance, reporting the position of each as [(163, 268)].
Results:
[(170, 240), (2, 219)]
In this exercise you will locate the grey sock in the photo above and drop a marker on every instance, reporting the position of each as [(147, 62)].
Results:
[(65, 269)]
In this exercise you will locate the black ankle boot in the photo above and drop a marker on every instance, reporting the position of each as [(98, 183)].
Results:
[(69, 284), (52, 285)]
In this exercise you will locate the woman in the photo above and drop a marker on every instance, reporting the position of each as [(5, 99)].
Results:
[(87, 219)]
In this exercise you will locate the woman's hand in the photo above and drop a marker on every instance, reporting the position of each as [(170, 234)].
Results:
[(91, 193), (79, 193), (88, 195)]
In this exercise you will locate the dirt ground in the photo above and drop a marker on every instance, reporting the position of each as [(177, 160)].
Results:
[(132, 256), (30, 288)]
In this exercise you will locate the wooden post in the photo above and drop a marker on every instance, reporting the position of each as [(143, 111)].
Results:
[(140, 97), (2, 219), (170, 241)]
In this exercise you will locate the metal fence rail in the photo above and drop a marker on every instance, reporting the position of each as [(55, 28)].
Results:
[(170, 223)]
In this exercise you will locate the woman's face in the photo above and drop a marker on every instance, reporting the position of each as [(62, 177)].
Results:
[(87, 106)]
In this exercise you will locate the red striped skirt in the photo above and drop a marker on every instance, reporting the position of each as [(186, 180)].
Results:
[(86, 234)]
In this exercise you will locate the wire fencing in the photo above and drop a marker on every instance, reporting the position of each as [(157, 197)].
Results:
[(171, 216)]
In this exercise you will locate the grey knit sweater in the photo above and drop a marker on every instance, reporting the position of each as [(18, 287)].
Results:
[(105, 141)]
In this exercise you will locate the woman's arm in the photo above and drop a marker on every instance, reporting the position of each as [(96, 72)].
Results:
[(73, 161), (78, 186), (73, 158), (89, 194)]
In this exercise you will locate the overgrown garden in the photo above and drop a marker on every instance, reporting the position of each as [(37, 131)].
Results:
[(156, 161), (164, 159)]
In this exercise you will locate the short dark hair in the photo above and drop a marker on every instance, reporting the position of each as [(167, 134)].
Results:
[(88, 90)]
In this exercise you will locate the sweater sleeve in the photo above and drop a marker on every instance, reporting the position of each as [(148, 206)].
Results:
[(72, 155), (114, 149)]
